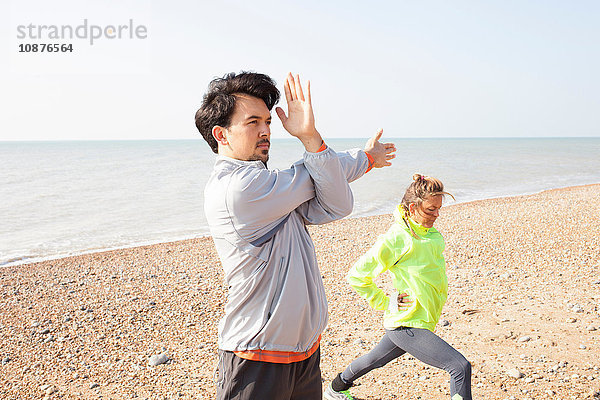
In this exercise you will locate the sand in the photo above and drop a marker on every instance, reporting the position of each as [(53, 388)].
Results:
[(524, 288)]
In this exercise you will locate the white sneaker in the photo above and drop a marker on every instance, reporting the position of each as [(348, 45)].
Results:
[(331, 394)]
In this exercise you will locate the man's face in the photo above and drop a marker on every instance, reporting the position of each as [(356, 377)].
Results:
[(248, 135)]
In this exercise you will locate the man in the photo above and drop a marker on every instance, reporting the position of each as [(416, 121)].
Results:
[(276, 309)]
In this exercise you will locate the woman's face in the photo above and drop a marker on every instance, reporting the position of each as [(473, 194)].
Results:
[(427, 212)]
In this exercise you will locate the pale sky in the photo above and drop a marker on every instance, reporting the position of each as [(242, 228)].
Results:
[(499, 68)]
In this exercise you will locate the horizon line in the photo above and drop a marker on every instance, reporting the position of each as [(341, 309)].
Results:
[(291, 138)]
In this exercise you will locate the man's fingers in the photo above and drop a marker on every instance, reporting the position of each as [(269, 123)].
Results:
[(299, 92), (281, 114), (378, 135), (287, 90), (308, 92), (292, 85)]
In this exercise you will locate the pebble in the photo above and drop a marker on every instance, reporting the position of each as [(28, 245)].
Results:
[(514, 373), (358, 342), (529, 380), (5, 360), (582, 347), (93, 385), (571, 320), (444, 322), (524, 339), (49, 339), (158, 359), (591, 328), (44, 331)]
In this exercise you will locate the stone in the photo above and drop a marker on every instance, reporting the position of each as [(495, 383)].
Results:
[(514, 373), (158, 359), (93, 385), (444, 322), (523, 339)]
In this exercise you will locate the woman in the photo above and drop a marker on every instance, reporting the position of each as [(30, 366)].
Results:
[(411, 251)]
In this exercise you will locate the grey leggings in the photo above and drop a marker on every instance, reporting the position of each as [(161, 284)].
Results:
[(423, 345)]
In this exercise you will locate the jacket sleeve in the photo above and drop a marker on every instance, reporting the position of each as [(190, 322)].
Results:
[(386, 251), (334, 199), (258, 201), (354, 163)]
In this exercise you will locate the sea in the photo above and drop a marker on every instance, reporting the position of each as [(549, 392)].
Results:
[(73, 197)]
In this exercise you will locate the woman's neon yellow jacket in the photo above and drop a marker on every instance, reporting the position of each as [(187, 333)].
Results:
[(417, 268)]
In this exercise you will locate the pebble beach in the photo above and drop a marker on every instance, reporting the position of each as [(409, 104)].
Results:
[(141, 323)]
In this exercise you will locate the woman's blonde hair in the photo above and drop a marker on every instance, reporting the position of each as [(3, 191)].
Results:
[(421, 188)]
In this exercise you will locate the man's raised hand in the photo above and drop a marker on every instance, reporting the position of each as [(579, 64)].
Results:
[(300, 121), (382, 153)]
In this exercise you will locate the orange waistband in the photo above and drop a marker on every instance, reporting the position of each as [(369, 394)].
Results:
[(278, 357)]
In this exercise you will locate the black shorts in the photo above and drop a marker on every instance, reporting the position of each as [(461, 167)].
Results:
[(241, 379)]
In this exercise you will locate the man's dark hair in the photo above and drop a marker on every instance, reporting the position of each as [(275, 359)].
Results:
[(219, 101)]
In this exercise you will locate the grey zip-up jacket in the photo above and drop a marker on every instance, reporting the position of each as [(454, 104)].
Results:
[(257, 219)]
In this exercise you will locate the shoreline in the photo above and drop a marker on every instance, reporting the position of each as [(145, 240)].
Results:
[(35, 260)]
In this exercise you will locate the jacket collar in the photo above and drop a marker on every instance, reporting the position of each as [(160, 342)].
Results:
[(401, 215), (223, 161)]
